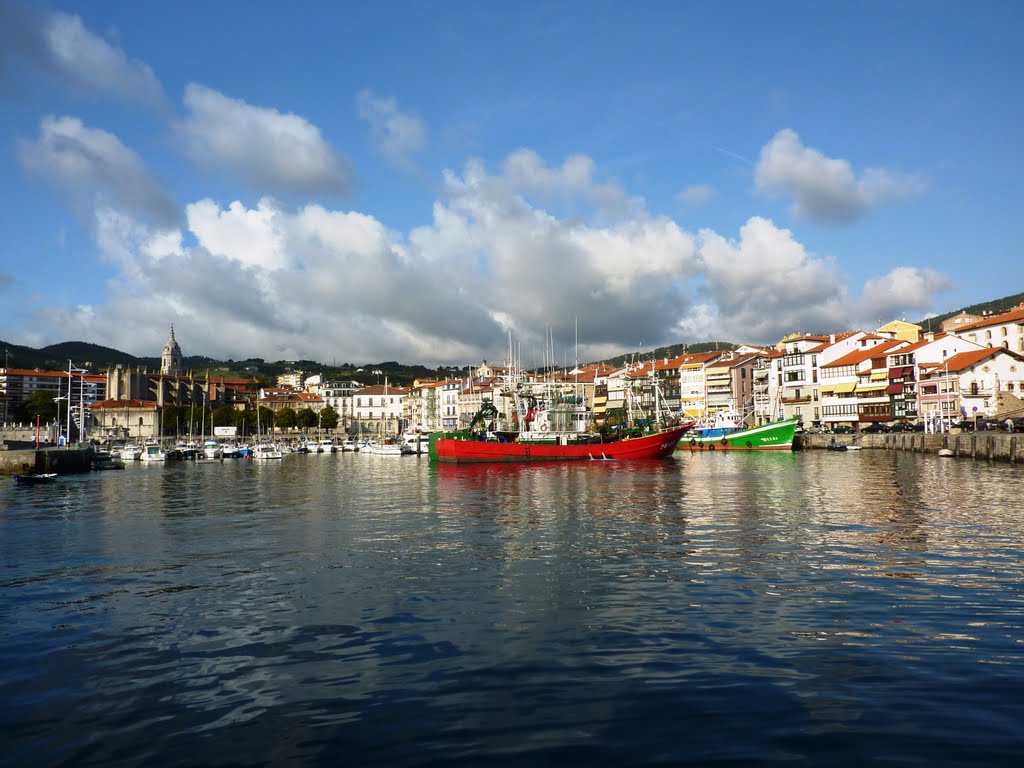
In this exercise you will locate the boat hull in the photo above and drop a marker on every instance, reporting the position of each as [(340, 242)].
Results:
[(655, 446), (777, 436)]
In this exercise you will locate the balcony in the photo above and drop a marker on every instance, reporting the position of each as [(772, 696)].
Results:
[(796, 400)]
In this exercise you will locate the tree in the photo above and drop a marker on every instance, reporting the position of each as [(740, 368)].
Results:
[(266, 418), (223, 416), (305, 418), (329, 418), (172, 418), (40, 403), (286, 418)]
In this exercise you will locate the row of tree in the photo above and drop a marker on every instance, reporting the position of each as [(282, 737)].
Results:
[(193, 420), (185, 419)]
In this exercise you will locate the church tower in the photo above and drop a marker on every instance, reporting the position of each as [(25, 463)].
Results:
[(170, 360)]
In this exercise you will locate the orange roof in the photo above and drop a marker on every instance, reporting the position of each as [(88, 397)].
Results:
[(115, 404), (382, 389), (860, 355), (971, 358), (1015, 315)]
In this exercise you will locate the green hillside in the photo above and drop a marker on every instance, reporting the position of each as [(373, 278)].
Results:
[(988, 307)]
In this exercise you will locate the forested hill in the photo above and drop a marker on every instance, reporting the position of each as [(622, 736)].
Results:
[(669, 352), (987, 307)]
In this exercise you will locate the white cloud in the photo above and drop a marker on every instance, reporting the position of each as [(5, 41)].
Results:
[(903, 290), (93, 168), (766, 284), (398, 135), (826, 189), (696, 195), (273, 151), (59, 45), (312, 282)]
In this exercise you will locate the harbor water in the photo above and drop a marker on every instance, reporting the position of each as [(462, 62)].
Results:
[(809, 608)]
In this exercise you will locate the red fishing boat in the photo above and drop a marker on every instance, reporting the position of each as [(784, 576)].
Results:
[(467, 450)]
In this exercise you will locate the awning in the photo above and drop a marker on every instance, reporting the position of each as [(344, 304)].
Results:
[(871, 387), (846, 386), (894, 389), (827, 389), (901, 371), (879, 375)]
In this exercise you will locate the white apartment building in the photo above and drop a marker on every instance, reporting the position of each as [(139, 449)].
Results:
[(379, 410), (1005, 330)]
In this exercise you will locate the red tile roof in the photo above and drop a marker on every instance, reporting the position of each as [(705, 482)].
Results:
[(1015, 315), (860, 355)]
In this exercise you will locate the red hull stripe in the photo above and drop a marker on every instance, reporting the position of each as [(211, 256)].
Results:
[(656, 446)]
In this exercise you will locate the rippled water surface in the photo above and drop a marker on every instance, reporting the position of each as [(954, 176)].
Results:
[(809, 609)]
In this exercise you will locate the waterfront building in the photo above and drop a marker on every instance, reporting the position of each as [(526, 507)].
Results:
[(339, 396), (853, 387), (730, 384), (378, 409), (968, 384), (1005, 330), (126, 419), (423, 405), (903, 364)]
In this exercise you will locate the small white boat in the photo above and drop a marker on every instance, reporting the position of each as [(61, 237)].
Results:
[(131, 452), (152, 452), (418, 442), (946, 452), (327, 445), (229, 451), (212, 449), (349, 444), (47, 477), (264, 451), (387, 448)]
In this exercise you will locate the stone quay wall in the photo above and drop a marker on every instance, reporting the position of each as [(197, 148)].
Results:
[(990, 446), (63, 461)]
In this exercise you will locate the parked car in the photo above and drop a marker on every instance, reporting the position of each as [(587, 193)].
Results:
[(990, 425), (902, 426), (842, 429), (1018, 424), (919, 426), (963, 426), (875, 429)]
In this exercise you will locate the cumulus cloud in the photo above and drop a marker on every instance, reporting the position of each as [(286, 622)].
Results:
[(280, 282), (696, 195), (903, 290), (60, 46), (766, 284), (398, 135), (272, 151), (93, 168), (826, 189)]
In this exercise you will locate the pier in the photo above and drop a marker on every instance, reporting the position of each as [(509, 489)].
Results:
[(990, 446)]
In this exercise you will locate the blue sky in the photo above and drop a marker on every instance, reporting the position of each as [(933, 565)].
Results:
[(362, 182)]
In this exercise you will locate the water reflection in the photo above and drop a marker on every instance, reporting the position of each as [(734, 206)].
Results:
[(778, 605)]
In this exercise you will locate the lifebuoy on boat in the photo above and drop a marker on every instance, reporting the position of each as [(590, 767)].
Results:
[(711, 446), (724, 441), (543, 426)]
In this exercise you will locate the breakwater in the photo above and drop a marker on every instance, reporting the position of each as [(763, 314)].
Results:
[(63, 461), (990, 446)]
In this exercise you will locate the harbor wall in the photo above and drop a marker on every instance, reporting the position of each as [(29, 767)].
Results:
[(990, 446), (63, 461)]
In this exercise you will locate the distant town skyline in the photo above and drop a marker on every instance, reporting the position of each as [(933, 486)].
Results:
[(418, 183)]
